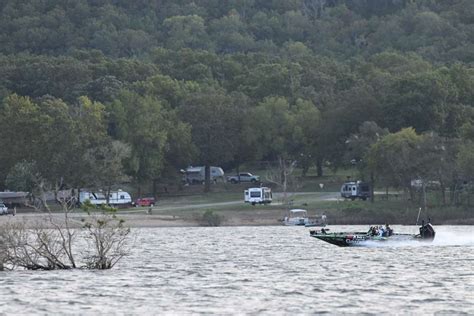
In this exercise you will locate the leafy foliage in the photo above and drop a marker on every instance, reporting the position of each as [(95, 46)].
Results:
[(227, 82)]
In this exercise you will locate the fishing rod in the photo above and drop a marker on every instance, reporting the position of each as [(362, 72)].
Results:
[(418, 217)]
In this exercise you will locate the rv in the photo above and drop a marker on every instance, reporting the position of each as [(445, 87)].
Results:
[(355, 190), (262, 195), (116, 198), (197, 175)]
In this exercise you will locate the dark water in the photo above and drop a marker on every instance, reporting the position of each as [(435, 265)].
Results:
[(258, 270)]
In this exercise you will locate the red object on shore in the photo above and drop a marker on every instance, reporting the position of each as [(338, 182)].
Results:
[(147, 201)]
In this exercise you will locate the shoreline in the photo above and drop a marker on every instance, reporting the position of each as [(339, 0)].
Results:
[(228, 219)]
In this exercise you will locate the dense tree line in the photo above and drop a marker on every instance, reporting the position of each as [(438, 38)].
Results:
[(437, 30), (170, 83)]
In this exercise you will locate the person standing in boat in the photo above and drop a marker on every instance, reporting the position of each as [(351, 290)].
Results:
[(388, 230), (381, 231), (374, 231)]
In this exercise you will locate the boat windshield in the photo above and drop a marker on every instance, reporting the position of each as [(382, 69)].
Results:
[(298, 213)]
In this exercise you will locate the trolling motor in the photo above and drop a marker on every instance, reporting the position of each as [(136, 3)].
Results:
[(427, 231)]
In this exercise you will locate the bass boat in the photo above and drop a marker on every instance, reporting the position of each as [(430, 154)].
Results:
[(361, 239)]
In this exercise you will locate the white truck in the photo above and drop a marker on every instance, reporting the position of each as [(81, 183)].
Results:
[(3, 209), (261, 195), (116, 198)]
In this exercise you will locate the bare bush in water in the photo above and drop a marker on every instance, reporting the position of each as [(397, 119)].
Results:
[(106, 237), (54, 242)]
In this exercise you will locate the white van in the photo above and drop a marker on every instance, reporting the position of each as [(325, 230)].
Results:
[(262, 195), (197, 175)]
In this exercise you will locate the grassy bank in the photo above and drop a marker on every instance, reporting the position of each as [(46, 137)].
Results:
[(233, 210), (315, 194)]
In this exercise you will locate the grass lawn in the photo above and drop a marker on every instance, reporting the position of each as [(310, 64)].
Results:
[(315, 194), (338, 211)]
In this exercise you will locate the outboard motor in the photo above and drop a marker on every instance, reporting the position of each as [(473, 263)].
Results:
[(427, 231)]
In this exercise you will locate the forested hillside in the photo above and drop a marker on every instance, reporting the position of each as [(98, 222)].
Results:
[(168, 83)]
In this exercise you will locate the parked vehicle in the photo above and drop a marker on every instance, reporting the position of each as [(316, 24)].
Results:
[(262, 195), (418, 184), (146, 201), (116, 198), (355, 190), (3, 209), (197, 175), (243, 177)]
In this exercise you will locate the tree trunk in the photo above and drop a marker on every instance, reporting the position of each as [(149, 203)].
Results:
[(154, 188), (107, 195), (284, 179), (423, 186), (468, 197), (2, 254), (372, 185), (443, 193), (319, 167), (207, 181), (237, 169), (305, 169)]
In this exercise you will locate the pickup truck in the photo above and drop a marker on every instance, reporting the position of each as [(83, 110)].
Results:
[(146, 201), (244, 177)]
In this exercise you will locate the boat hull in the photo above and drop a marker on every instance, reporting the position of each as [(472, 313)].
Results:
[(360, 240), (363, 239), (304, 223)]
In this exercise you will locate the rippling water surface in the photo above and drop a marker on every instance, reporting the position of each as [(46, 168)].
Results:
[(258, 270)]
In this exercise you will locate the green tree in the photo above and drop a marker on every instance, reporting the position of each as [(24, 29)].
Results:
[(55, 138), (186, 31), (358, 147), (420, 101), (214, 118), (230, 35), (306, 131), (140, 121), (18, 113), (21, 177), (106, 165), (393, 159)]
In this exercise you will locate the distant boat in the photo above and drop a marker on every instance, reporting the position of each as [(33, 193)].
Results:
[(296, 217), (361, 239), (299, 217)]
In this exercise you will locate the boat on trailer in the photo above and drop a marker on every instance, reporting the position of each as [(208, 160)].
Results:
[(361, 239)]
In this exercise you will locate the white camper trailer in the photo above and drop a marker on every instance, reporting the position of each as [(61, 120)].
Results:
[(116, 198), (197, 175), (262, 195)]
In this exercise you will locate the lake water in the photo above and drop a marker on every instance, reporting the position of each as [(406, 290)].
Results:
[(258, 270)]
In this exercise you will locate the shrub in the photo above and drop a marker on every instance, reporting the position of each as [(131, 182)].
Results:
[(211, 219)]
